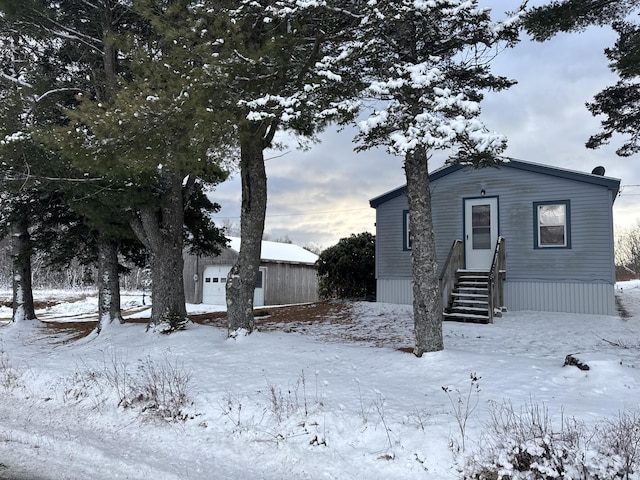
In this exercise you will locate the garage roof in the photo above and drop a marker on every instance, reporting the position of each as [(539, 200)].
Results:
[(279, 252)]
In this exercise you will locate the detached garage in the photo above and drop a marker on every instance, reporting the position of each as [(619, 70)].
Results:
[(287, 275)]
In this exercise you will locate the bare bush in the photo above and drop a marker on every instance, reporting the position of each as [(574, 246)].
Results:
[(621, 437), (525, 445), (115, 371), (464, 404), (9, 375), (84, 384), (163, 388)]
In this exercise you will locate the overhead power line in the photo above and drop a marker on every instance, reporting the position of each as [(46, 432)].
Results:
[(327, 212)]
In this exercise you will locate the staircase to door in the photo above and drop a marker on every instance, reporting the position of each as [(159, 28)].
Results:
[(469, 298), (473, 295)]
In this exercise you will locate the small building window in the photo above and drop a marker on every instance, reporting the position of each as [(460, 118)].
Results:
[(552, 224), (406, 234), (259, 279), (207, 280)]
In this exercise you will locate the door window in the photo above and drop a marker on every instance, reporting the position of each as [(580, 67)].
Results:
[(481, 227)]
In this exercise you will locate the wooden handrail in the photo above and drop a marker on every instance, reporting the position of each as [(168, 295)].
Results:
[(497, 275), (452, 264)]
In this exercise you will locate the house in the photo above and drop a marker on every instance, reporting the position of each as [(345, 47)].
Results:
[(287, 275), (522, 236)]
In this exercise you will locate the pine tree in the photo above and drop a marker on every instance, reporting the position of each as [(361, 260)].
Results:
[(158, 143), (76, 53), (273, 76), (428, 64), (22, 81), (620, 103)]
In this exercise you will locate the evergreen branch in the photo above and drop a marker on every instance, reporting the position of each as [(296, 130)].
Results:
[(64, 32), (28, 176), (138, 230), (15, 80)]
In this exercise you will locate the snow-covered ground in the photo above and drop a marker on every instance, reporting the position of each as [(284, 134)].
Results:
[(277, 405)]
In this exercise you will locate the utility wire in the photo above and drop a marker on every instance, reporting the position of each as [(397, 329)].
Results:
[(300, 214)]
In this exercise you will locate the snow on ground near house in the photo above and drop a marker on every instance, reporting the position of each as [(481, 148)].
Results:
[(277, 405)]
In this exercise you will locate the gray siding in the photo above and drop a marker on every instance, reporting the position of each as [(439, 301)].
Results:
[(394, 290), (589, 260), (284, 283), (391, 259), (287, 283), (592, 298)]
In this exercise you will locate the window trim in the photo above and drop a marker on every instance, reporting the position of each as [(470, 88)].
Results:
[(567, 225), (406, 235)]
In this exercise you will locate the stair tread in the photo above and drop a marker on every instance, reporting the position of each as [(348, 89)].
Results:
[(467, 315), (466, 294)]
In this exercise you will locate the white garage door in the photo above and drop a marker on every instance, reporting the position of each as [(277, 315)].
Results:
[(215, 282)]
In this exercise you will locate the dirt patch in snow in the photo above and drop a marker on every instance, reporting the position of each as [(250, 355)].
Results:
[(289, 318)]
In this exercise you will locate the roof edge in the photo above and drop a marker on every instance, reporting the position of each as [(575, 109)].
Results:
[(610, 183)]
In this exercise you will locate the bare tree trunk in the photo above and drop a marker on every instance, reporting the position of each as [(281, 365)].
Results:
[(161, 231), (427, 301), (242, 278), (108, 284), (23, 308)]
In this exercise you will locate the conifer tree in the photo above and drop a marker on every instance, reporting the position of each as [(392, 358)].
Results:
[(77, 53), (620, 103), (428, 64), (158, 143), (23, 79), (273, 75)]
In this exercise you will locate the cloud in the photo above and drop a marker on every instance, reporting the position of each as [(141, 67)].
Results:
[(321, 195)]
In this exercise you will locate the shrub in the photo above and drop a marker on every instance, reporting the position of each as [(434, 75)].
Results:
[(525, 446), (347, 270)]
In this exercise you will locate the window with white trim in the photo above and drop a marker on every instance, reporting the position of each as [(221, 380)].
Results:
[(552, 224), (406, 235)]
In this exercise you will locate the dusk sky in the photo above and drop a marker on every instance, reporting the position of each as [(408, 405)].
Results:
[(321, 195)]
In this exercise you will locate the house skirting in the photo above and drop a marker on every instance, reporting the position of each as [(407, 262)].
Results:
[(589, 298), (569, 297)]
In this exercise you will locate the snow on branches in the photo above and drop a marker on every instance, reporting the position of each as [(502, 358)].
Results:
[(427, 65)]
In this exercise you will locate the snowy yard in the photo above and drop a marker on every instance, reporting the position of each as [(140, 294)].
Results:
[(300, 403)]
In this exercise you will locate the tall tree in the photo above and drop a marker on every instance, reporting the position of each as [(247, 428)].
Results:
[(620, 103), (156, 140), (22, 79), (274, 78), (428, 64), (80, 55)]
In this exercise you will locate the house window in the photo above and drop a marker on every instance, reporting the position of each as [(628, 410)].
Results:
[(406, 233), (552, 224), (259, 279)]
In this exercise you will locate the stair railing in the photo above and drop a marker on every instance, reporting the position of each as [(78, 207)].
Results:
[(453, 263), (497, 275)]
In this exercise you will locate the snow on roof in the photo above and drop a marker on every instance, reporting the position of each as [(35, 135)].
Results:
[(279, 252)]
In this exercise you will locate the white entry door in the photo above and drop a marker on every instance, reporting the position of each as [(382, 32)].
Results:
[(480, 232), (258, 293), (214, 284)]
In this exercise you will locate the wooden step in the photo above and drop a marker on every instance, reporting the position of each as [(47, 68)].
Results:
[(466, 317), (468, 295), (472, 301)]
